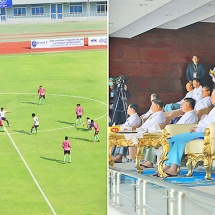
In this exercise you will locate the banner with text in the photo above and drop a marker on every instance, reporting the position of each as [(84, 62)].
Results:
[(57, 43), (97, 41), (5, 3)]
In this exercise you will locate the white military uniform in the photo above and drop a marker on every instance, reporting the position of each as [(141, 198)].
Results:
[(188, 95), (206, 121), (188, 118), (132, 120), (148, 113), (203, 103), (197, 94), (155, 118)]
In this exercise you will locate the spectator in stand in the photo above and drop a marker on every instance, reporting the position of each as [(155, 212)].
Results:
[(177, 105), (178, 142), (145, 116), (195, 70), (197, 91), (156, 118), (132, 122), (205, 102), (189, 117)]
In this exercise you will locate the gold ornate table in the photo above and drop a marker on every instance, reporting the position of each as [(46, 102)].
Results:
[(147, 140), (118, 140)]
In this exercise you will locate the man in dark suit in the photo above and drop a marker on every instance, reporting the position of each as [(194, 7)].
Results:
[(195, 70)]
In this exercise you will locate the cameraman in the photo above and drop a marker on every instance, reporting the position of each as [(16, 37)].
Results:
[(120, 101)]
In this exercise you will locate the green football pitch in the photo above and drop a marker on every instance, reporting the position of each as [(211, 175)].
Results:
[(33, 177)]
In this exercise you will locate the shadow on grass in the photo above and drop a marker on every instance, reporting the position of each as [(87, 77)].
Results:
[(79, 138), (68, 123), (51, 159), (81, 129), (31, 103), (22, 131)]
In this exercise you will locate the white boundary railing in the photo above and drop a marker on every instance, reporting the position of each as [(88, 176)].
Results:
[(147, 195), (50, 17)]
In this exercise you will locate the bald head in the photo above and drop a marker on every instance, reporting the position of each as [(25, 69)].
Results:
[(189, 86)]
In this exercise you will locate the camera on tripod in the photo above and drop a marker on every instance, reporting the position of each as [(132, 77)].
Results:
[(120, 100), (121, 81)]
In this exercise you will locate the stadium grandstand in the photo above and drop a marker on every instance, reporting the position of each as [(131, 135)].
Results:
[(17, 11)]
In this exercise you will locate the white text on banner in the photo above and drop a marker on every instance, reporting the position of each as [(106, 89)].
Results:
[(97, 41), (57, 43)]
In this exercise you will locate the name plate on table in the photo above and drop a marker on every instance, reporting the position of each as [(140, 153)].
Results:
[(114, 129)]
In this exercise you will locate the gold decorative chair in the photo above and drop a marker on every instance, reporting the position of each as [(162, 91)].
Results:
[(197, 150), (203, 111)]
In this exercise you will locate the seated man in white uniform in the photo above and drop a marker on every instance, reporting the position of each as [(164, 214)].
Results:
[(149, 112), (156, 118), (177, 105), (131, 123), (133, 120), (178, 142), (205, 102), (197, 91), (189, 117)]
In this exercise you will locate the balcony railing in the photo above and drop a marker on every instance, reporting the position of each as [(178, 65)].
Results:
[(136, 194)]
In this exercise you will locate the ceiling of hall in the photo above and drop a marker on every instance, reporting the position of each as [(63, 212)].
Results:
[(129, 18)]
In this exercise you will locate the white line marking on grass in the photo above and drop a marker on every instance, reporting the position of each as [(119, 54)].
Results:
[(55, 95), (72, 126), (29, 170), (54, 129)]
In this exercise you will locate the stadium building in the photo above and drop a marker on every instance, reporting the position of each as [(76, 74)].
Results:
[(50, 10)]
